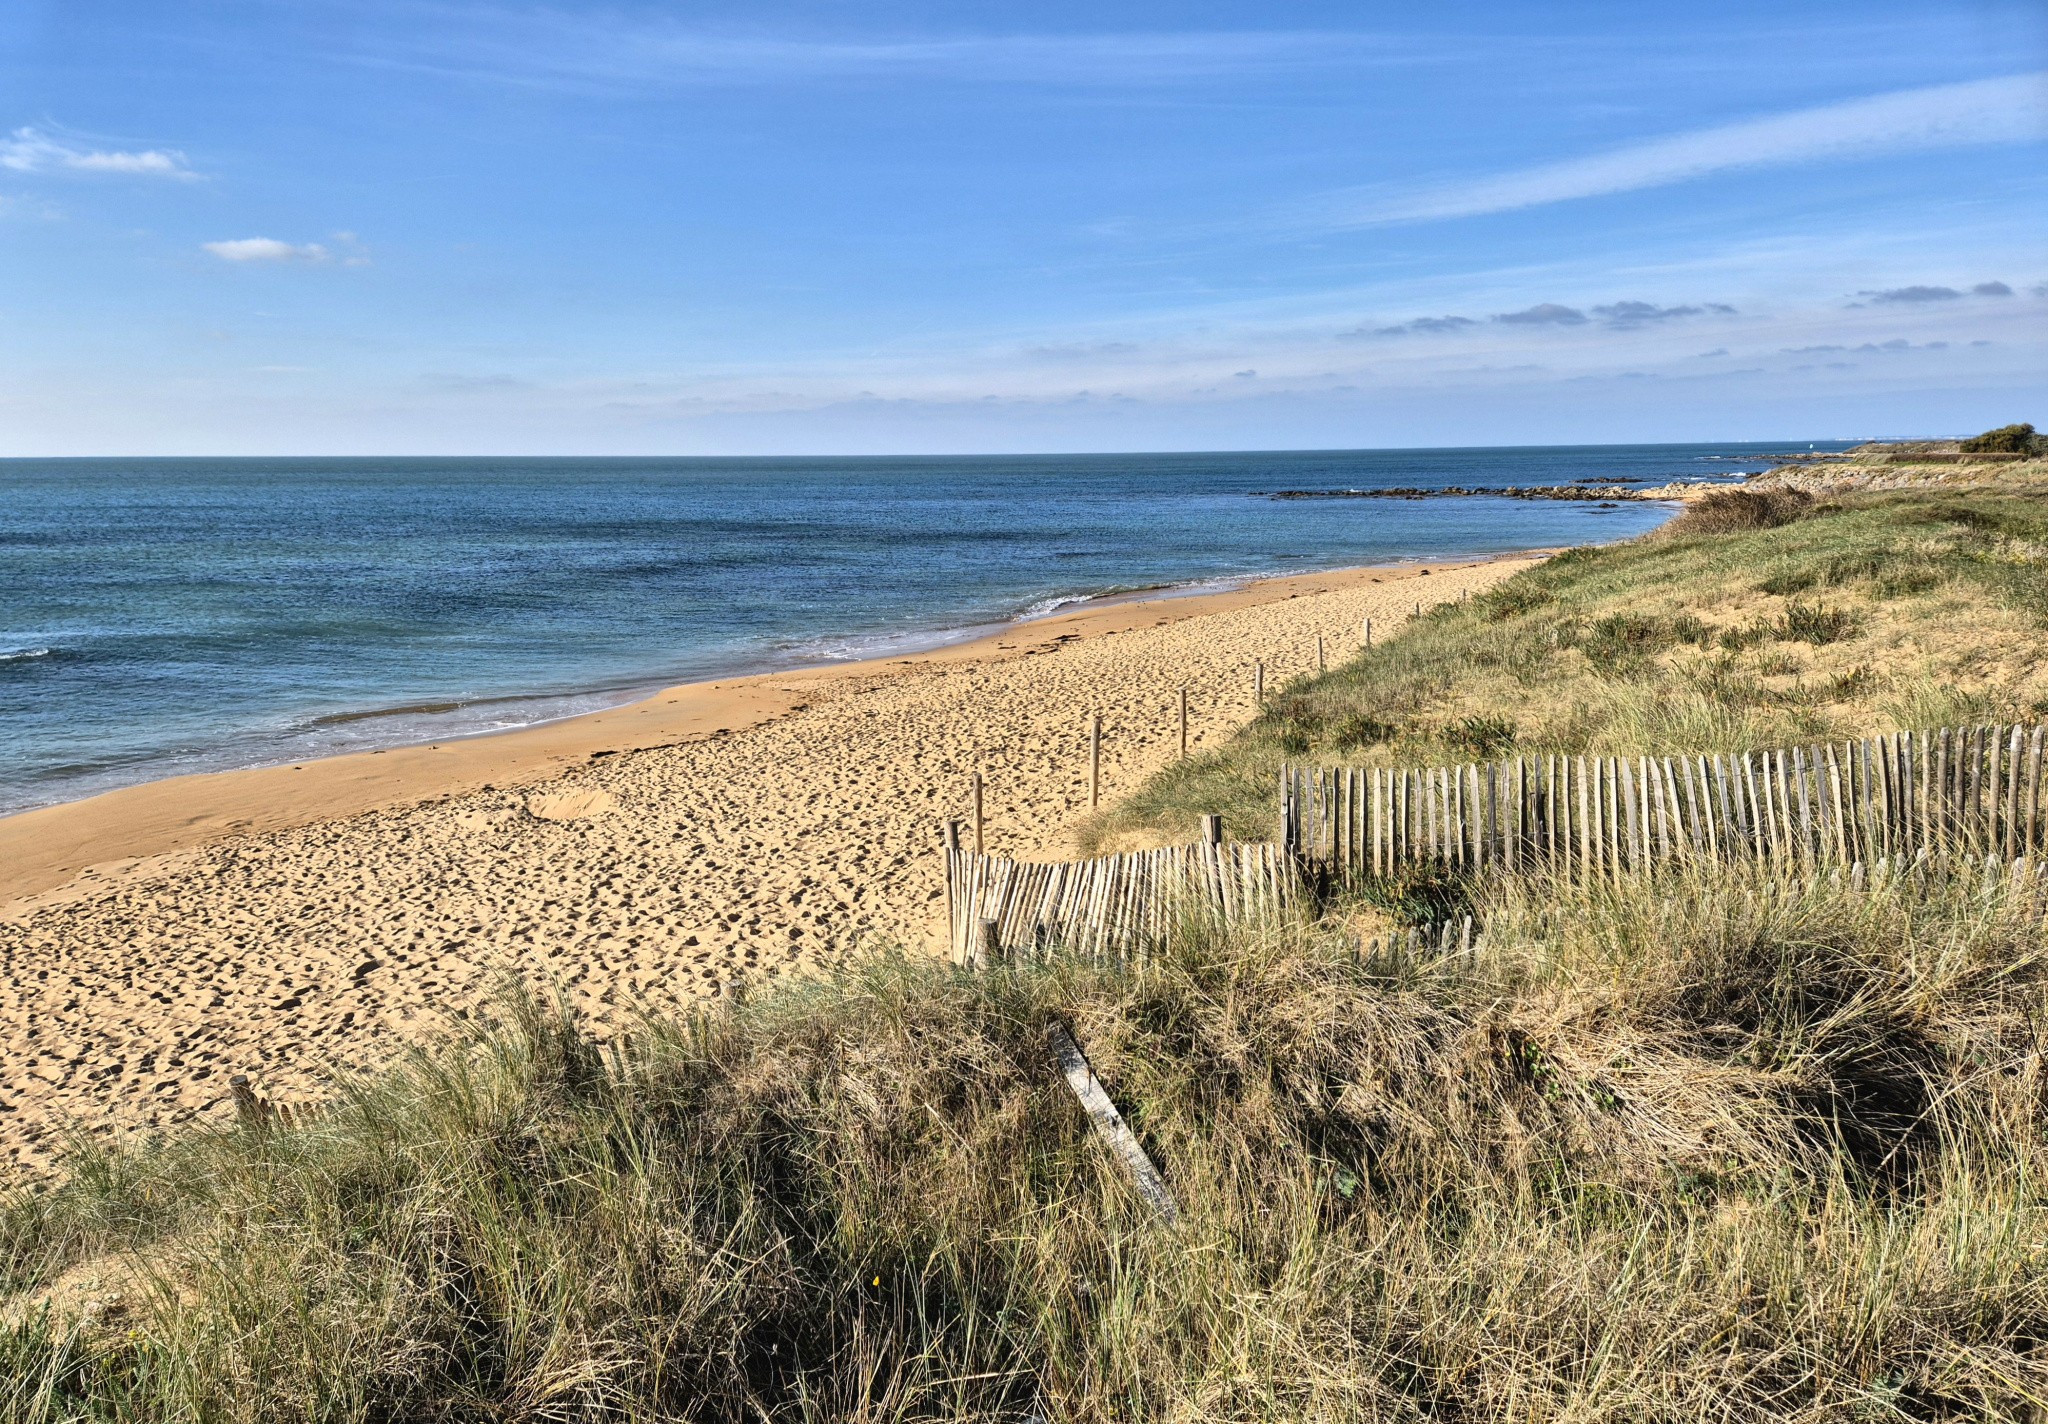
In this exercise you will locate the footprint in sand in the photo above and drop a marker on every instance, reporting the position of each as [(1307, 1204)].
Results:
[(570, 805)]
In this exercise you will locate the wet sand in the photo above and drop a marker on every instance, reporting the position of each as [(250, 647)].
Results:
[(287, 921)]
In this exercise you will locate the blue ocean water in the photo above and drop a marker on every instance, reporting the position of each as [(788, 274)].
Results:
[(165, 616)]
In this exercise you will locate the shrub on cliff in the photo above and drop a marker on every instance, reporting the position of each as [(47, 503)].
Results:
[(2006, 440)]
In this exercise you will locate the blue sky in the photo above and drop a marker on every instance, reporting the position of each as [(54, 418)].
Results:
[(305, 227)]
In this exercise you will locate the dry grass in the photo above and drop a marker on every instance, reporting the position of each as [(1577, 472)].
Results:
[(1730, 511), (1701, 1149), (1856, 617)]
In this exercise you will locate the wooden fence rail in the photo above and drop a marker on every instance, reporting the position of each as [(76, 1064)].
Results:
[(1113, 905), (1957, 790)]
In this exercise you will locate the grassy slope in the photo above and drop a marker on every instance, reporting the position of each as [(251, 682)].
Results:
[(1877, 611), (1663, 1152), (1709, 1148)]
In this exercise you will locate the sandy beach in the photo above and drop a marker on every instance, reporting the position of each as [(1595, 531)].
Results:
[(289, 921)]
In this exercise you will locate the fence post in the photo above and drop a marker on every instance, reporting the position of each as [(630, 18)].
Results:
[(1183, 724), (1094, 760), (979, 847), (1212, 830), (248, 1107), (1258, 685), (1368, 632), (950, 837)]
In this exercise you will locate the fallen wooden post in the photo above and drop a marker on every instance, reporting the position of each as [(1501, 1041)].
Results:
[(1109, 1123)]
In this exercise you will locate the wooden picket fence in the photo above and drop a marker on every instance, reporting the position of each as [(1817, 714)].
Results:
[(1958, 790), (1113, 905)]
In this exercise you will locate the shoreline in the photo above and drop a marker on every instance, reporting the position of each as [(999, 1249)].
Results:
[(569, 705), (44, 848), (295, 922)]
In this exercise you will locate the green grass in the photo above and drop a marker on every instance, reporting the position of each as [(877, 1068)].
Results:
[(1723, 1148), (1872, 612)]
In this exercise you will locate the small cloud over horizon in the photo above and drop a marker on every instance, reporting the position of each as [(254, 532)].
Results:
[(1620, 316), (1544, 314), (1897, 343), (1626, 314), (273, 250), (1422, 325), (1920, 295)]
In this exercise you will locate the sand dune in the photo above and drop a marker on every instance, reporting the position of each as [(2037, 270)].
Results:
[(285, 922)]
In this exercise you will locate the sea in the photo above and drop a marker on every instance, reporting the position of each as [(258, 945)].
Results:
[(164, 616)]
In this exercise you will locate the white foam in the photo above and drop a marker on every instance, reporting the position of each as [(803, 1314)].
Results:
[(1046, 607), (18, 655)]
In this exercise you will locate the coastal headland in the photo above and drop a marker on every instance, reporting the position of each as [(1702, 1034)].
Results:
[(288, 921)]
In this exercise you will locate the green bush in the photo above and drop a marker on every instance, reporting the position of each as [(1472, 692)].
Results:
[(1817, 624), (1362, 730), (1620, 643), (2006, 440), (1481, 738)]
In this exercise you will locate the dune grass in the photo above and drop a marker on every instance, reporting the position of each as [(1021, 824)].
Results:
[(1725, 632), (1708, 1146)]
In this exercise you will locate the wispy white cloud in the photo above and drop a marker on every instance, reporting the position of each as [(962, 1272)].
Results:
[(2011, 109), (31, 150), (271, 250)]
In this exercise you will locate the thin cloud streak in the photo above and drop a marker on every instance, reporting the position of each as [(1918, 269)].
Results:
[(2011, 109), (552, 45)]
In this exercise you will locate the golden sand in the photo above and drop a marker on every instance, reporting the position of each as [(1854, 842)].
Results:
[(288, 921)]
